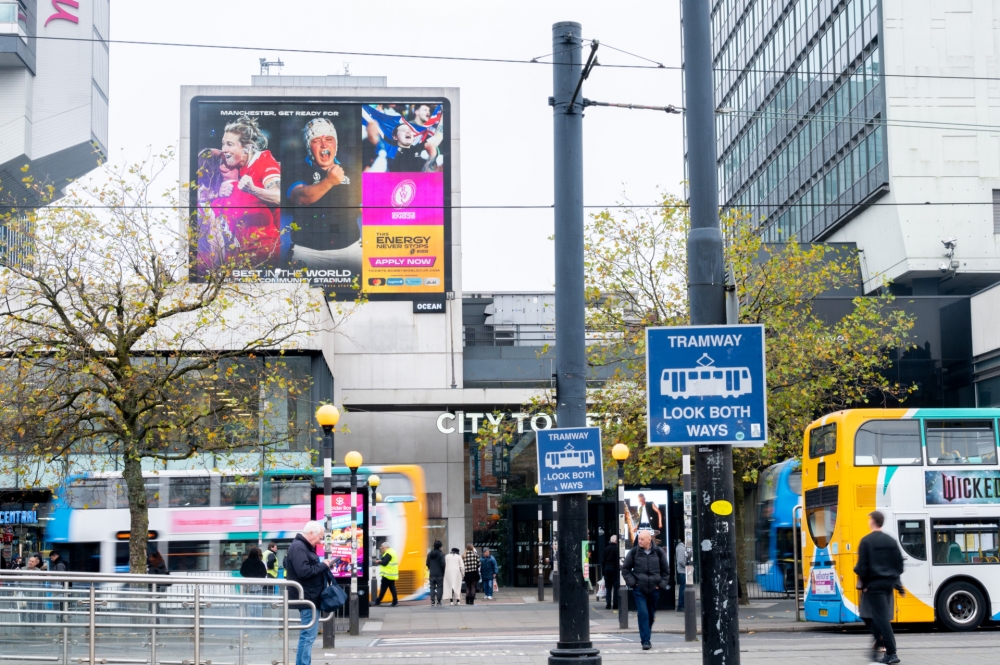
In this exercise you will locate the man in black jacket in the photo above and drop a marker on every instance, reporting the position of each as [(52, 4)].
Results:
[(304, 566), (880, 564), (56, 563), (435, 568), (611, 567), (646, 571)]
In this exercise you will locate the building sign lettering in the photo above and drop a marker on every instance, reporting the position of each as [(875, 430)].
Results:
[(18, 517), (62, 14)]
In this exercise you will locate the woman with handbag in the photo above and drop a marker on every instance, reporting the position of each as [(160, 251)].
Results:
[(471, 566)]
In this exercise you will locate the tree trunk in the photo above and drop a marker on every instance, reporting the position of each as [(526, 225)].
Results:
[(138, 512), (739, 497)]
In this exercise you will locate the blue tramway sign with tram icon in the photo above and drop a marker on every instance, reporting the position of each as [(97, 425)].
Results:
[(706, 385), (569, 461)]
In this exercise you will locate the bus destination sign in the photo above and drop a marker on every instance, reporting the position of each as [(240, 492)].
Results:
[(706, 385), (569, 461)]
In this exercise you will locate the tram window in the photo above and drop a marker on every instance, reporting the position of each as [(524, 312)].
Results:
[(693, 375), (184, 555), (239, 492), (795, 482), (913, 538), (706, 375), (88, 494), (190, 492), (823, 440), (965, 540), (961, 442), (717, 375), (888, 443)]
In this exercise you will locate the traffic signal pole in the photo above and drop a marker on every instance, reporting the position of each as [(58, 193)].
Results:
[(574, 646), (706, 296)]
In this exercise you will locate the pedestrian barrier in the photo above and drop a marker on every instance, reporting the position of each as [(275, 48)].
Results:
[(120, 618)]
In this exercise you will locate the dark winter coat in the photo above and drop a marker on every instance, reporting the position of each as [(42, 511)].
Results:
[(253, 568), (435, 563), (488, 567), (880, 563), (646, 569), (58, 565), (610, 561), (303, 566)]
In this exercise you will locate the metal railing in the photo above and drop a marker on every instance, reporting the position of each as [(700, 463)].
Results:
[(113, 618), (522, 334)]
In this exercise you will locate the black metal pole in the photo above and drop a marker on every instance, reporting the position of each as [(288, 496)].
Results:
[(574, 646), (353, 609), (622, 588), (541, 558), (373, 570), (707, 302), (554, 548), (328, 626), (690, 618)]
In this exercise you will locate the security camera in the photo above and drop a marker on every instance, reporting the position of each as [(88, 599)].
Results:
[(950, 243), (943, 267)]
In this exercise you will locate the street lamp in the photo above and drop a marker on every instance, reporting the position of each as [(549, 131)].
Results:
[(620, 453), (353, 461), (327, 416), (373, 482), (541, 561)]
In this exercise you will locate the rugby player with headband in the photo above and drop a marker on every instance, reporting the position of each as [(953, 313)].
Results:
[(325, 202)]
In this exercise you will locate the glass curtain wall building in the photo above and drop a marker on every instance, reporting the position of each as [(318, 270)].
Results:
[(800, 134)]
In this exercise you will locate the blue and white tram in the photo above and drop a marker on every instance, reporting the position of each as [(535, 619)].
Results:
[(706, 381)]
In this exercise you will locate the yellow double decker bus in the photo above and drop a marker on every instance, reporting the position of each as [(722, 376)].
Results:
[(934, 474)]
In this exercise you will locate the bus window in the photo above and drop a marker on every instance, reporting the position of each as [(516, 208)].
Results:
[(88, 494), (888, 443), (821, 514), (120, 491), (961, 442), (823, 440), (289, 492), (965, 540), (913, 538), (239, 492), (190, 492)]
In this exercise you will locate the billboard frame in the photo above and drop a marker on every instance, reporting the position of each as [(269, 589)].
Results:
[(446, 151)]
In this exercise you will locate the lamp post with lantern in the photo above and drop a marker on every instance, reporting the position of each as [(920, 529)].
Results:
[(353, 461), (327, 416), (373, 482), (620, 452)]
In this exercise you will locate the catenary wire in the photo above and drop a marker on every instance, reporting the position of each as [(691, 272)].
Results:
[(515, 61), (619, 206), (136, 42)]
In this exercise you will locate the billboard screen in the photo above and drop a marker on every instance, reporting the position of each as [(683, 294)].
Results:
[(350, 194)]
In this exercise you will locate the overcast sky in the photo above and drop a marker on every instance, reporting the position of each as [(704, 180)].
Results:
[(506, 124)]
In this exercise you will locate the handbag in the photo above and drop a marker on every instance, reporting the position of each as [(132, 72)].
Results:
[(333, 597)]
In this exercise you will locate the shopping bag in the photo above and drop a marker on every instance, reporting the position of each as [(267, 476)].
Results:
[(601, 590), (496, 586)]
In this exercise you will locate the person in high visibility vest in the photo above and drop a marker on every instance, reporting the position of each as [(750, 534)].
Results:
[(390, 573)]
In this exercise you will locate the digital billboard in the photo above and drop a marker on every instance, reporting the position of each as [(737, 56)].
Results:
[(340, 531), (349, 194)]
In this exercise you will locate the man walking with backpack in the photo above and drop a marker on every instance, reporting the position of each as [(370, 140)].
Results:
[(880, 564), (646, 570)]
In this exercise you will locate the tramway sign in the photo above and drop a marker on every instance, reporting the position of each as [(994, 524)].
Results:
[(569, 461), (706, 385)]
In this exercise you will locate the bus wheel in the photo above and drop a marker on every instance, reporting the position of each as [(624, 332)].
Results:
[(961, 606)]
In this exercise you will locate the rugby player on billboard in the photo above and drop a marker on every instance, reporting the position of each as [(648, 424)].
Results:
[(325, 202), (241, 183)]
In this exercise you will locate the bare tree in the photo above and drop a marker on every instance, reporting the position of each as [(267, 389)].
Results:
[(110, 349)]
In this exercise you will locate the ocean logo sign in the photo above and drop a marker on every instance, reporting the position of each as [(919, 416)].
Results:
[(705, 380), (569, 458)]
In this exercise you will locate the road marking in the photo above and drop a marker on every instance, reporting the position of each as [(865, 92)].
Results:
[(492, 639), (529, 599), (372, 626)]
